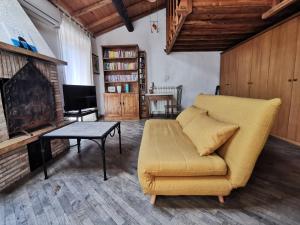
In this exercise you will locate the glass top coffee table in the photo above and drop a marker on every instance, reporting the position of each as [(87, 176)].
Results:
[(93, 131)]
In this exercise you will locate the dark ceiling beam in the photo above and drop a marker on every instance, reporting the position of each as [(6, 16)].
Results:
[(139, 16), (95, 26), (91, 8), (121, 9)]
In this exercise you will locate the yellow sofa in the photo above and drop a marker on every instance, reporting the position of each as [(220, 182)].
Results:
[(169, 163)]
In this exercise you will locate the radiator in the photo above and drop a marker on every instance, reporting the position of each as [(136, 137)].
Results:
[(159, 106)]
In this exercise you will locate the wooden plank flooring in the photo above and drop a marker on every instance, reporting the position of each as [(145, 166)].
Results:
[(75, 193)]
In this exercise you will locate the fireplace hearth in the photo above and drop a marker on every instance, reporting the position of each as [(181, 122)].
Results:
[(28, 101)]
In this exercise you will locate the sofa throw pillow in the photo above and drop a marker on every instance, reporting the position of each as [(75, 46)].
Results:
[(188, 114), (208, 134)]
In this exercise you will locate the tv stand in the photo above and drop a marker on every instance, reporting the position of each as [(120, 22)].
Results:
[(81, 113)]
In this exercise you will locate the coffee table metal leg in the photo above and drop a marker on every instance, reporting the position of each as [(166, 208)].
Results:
[(119, 132), (43, 158), (78, 145), (103, 157), (102, 149)]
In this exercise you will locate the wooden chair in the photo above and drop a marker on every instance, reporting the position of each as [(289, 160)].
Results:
[(176, 106)]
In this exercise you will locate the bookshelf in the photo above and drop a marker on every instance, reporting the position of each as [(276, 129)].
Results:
[(144, 112), (121, 71), (120, 67)]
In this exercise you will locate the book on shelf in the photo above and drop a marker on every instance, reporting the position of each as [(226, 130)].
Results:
[(119, 66), (122, 78), (113, 54)]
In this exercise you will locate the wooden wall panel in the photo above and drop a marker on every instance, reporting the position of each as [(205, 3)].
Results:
[(225, 73), (232, 73), (274, 61), (260, 65), (294, 119), (281, 69), (243, 67)]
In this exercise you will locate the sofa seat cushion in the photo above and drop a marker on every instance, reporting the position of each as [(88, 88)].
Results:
[(167, 151)]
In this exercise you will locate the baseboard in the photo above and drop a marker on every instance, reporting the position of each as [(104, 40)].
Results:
[(286, 140)]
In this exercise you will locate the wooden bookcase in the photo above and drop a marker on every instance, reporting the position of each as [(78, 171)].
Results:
[(121, 69), (144, 112)]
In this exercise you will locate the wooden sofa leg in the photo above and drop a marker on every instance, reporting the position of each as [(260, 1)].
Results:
[(221, 199), (152, 200)]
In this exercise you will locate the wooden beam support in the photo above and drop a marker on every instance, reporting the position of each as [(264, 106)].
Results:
[(141, 15), (278, 8), (121, 9), (111, 17), (90, 8), (233, 37), (231, 3)]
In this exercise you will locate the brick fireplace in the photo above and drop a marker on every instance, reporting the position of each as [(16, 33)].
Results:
[(17, 137)]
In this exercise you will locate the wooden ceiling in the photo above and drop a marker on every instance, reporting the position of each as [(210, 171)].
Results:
[(215, 25), (101, 16), (209, 25)]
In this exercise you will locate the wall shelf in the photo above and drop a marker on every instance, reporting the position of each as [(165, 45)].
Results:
[(25, 52)]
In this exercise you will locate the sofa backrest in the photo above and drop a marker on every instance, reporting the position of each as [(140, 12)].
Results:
[(255, 118)]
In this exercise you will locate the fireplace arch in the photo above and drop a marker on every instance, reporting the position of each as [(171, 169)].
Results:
[(28, 100)]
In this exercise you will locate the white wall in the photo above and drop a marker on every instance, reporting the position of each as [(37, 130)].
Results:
[(50, 35), (14, 20), (198, 72)]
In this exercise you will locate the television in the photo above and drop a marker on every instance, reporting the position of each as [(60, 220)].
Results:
[(79, 97)]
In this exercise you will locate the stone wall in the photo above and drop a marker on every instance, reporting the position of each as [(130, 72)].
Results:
[(13, 166)]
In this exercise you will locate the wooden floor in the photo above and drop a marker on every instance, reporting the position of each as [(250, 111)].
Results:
[(75, 193)]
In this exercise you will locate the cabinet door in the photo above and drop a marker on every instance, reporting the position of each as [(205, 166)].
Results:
[(232, 72), (228, 73), (282, 63), (260, 65), (294, 119), (223, 74), (112, 105), (243, 68), (130, 105), (224, 86)]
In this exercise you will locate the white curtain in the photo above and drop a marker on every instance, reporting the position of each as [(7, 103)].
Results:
[(76, 50)]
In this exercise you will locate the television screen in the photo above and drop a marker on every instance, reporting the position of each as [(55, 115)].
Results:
[(78, 97)]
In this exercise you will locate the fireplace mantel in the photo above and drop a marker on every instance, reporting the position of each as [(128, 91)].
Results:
[(21, 51)]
